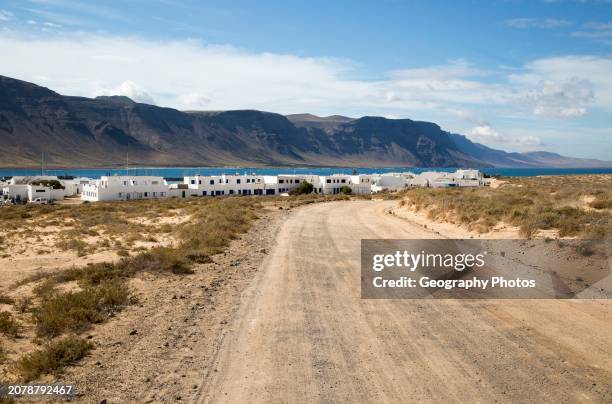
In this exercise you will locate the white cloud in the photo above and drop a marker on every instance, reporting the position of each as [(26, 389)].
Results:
[(546, 23), (193, 101), (599, 25), (567, 98), (600, 31), (128, 89), (229, 77), (485, 133), (563, 112), (6, 15), (175, 72), (565, 86)]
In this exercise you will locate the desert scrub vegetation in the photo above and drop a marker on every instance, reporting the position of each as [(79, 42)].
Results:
[(304, 188), (8, 325), (70, 301), (574, 206), (52, 358), (2, 353), (73, 226), (4, 299), (75, 311)]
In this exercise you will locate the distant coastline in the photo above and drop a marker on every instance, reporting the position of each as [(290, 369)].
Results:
[(184, 171)]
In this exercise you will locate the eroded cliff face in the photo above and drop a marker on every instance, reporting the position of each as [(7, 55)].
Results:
[(78, 131)]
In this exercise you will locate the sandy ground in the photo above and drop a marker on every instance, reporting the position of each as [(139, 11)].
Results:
[(451, 230), (303, 334), (159, 349), (34, 251), (279, 318)]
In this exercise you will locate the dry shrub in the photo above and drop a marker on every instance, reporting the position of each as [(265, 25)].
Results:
[(23, 304), (2, 354), (8, 325), (75, 311), (601, 202), (123, 253), (73, 244), (4, 299), (532, 204), (159, 259), (53, 358)]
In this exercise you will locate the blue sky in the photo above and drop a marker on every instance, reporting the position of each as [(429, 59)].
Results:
[(516, 75)]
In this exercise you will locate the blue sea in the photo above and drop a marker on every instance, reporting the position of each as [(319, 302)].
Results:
[(183, 171)]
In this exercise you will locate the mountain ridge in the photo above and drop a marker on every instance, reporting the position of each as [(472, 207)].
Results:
[(99, 132)]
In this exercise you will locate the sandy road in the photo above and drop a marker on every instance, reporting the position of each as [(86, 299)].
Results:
[(302, 333)]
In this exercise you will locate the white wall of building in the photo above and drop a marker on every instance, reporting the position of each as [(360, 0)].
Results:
[(40, 191), (389, 182), (221, 185), (147, 187), (122, 188), (15, 192), (361, 184), (332, 184)]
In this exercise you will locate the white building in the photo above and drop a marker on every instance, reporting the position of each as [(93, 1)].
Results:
[(123, 188), (460, 178), (15, 192), (390, 182), (45, 192), (332, 184), (74, 186), (146, 187), (361, 184), (286, 183), (28, 188), (219, 185)]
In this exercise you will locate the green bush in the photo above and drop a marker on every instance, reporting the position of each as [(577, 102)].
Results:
[(304, 188), (53, 184), (160, 259), (75, 311), (346, 190), (53, 358)]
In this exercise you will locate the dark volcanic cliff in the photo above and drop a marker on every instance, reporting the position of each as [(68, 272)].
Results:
[(77, 131)]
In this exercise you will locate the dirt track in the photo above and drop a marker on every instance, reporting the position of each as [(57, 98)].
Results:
[(302, 333)]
